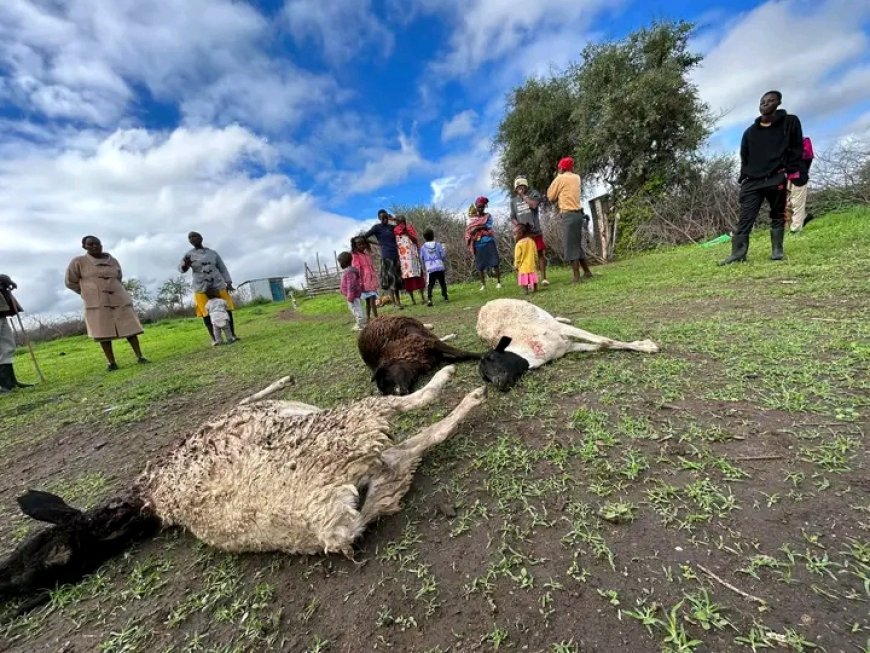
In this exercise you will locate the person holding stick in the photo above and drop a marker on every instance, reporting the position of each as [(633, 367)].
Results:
[(9, 307)]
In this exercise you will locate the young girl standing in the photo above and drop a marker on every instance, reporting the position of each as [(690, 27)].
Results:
[(526, 259), (362, 261)]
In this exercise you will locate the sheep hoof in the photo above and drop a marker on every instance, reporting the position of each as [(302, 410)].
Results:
[(649, 346), (477, 395), (429, 326), (444, 374)]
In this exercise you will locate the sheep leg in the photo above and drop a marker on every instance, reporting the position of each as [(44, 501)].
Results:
[(645, 346), (584, 346), (562, 320), (295, 408), (414, 447), (448, 337), (268, 390), (425, 395), (390, 483)]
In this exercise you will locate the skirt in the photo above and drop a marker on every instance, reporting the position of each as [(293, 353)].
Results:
[(413, 283), (391, 277), (486, 256), (200, 299), (528, 278), (575, 236), (370, 294)]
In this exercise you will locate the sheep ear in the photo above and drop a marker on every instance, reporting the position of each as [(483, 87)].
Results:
[(47, 507), (503, 343)]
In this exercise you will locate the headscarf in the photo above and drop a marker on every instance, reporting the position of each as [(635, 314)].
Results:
[(521, 181), (566, 163), (403, 228), (481, 201)]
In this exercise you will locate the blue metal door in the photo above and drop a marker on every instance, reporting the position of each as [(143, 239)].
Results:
[(277, 289)]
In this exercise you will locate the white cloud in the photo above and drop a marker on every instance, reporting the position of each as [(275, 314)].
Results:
[(341, 28), (383, 167), (490, 30), (462, 124), (83, 59), (814, 53), (141, 192), (466, 174)]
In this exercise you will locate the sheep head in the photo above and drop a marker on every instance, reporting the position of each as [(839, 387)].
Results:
[(77, 543), (398, 377), (502, 368)]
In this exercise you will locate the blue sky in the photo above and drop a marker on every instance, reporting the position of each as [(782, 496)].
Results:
[(275, 127)]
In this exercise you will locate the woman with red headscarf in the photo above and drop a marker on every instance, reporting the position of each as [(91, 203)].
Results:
[(480, 240), (565, 190)]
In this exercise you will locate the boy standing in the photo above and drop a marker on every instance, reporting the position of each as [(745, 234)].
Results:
[(770, 156)]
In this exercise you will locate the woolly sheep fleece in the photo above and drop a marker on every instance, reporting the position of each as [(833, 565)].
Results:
[(254, 480)]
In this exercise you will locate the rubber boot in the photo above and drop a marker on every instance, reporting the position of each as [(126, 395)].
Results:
[(7, 382), (739, 248), (776, 236)]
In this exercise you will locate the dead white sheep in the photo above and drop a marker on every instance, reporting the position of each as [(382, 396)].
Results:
[(265, 476), (526, 336)]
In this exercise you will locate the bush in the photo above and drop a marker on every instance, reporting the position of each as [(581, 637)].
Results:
[(703, 206)]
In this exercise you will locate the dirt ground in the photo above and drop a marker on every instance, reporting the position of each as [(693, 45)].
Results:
[(612, 502)]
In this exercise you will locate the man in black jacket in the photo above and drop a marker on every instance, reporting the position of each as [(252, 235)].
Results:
[(770, 156), (8, 308)]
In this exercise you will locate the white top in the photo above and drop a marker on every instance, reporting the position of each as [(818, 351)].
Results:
[(218, 310)]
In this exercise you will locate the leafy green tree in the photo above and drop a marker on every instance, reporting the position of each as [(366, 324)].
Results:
[(172, 293), (627, 112), (138, 293), (640, 116), (536, 131)]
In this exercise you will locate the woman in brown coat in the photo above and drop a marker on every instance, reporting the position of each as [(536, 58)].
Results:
[(109, 314)]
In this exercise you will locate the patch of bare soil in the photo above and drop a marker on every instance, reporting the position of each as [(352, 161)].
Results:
[(503, 544)]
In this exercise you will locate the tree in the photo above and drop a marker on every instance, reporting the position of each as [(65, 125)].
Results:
[(139, 293), (536, 131), (641, 119), (171, 294)]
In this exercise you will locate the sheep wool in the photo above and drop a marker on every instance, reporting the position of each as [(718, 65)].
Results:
[(255, 480)]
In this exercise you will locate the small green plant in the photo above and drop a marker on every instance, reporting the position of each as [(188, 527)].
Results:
[(705, 613), (617, 512)]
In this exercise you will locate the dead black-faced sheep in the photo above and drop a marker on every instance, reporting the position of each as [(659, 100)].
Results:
[(526, 337), (399, 350), (265, 476)]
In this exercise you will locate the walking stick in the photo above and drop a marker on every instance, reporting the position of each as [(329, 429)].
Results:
[(25, 338)]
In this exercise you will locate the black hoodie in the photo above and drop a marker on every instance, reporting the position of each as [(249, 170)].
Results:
[(766, 151)]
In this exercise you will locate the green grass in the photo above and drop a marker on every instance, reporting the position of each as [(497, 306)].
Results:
[(586, 502)]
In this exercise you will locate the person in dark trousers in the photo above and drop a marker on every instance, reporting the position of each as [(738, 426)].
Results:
[(9, 308), (391, 272), (435, 260), (770, 157)]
